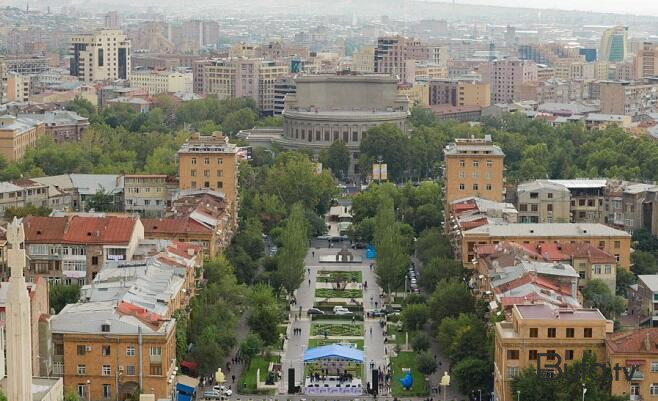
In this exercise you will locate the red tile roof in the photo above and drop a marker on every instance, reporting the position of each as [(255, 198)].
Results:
[(79, 229), (151, 319), (174, 225), (635, 341)]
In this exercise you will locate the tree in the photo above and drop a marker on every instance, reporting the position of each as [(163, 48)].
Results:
[(181, 334), (238, 120), (426, 363), (624, 280), (450, 298), (643, 240), (61, 295), (597, 294), (208, 351), (290, 258), (421, 342), (438, 269), (472, 374), (27, 210), (81, 106), (251, 346), (421, 116), (391, 144), (644, 262), (70, 395), (433, 244), (101, 201), (461, 337), (414, 316), (337, 158), (264, 313), (392, 260)]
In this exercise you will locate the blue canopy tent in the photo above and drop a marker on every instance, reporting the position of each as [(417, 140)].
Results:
[(335, 352)]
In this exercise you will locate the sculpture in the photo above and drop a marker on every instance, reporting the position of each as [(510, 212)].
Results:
[(407, 381)]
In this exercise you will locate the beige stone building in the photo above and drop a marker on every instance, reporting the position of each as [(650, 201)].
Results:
[(628, 98), (460, 93), (17, 135), (540, 328), (636, 350), (146, 194), (542, 201), (99, 56), (18, 88), (363, 60), (507, 77), (646, 61), (473, 167), (156, 82)]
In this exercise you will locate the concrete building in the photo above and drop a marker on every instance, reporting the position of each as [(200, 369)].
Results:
[(61, 125), (587, 199), (17, 88), (282, 87), (75, 248), (392, 53), (611, 240), (473, 167), (543, 201), (156, 82), (643, 300), (459, 93), (634, 350), (628, 98), (146, 194), (614, 44), (507, 77), (17, 135), (107, 351), (541, 328), (243, 77), (21, 193), (422, 70), (363, 60), (100, 56), (646, 61), (418, 93)]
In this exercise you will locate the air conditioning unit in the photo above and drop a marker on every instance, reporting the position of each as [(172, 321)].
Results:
[(88, 348), (120, 368)]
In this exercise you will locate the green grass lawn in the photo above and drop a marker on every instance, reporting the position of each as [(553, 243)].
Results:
[(331, 293), (318, 342), (326, 276), (407, 360), (337, 329)]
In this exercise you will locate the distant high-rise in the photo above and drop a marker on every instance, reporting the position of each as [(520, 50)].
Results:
[(99, 56), (646, 61), (614, 44), (112, 20), (508, 76), (392, 52)]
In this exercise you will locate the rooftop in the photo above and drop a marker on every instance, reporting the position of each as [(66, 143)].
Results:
[(473, 146), (79, 229), (650, 280), (634, 341), (333, 351), (547, 312), (548, 229)]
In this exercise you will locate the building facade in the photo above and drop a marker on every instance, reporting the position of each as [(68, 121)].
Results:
[(100, 56), (157, 82), (146, 194), (542, 201), (17, 135), (459, 93), (614, 44), (507, 78)]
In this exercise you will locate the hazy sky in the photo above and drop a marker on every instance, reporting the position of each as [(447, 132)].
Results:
[(642, 7)]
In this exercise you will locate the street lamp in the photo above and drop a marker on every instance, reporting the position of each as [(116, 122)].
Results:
[(88, 389), (480, 393), (518, 395), (584, 391)]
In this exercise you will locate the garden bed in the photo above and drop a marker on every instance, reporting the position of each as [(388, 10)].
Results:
[(337, 329), (346, 318), (326, 276), (332, 293)]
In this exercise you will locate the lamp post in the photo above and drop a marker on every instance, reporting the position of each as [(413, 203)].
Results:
[(584, 391), (518, 395), (88, 389), (480, 393)]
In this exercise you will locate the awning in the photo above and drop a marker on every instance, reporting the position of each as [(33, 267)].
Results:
[(189, 364), (634, 362)]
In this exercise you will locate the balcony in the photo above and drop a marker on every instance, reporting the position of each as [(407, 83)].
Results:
[(637, 375), (155, 359), (635, 397)]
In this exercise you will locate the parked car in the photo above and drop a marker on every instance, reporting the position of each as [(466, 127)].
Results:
[(377, 313), (342, 311), (212, 395), (273, 250), (314, 311)]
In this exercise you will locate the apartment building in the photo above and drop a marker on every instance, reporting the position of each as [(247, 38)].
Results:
[(157, 82), (636, 350), (587, 199), (459, 93), (17, 135), (573, 69), (100, 56), (541, 328), (507, 77), (282, 86), (61, 125), (628, 98), (645, 62), (421, 70), (363, 60), (392, 53), (473, 167), (17, 88), (107, 351), (613, 241), (209, 162), (643, 300), (542, 201), (243, 77), (146, 194), (75, 248)]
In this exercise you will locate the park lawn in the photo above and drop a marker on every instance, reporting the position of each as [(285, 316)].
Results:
[(319, 342), (247, 383), (332, 293), (407, 360), (337, 329), (326, 276)]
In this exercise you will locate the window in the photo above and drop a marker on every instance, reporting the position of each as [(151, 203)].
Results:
[(106, 370), (587, 333), (534, 195), (551, 354), (461, 174), (617, 244), (513, 354), (654, 366), (571, 332), (549, 195), (488, 187), (81, 390), (206, 160), (206, 173), (581, 202), (130, 350), (475, 175), (534, 207), (130, 370), (601, 244), (82, 369), (193, 184), (534, 332), (654, 389), (489, 163), (194, 160), (220, 160), (549, 207), (608, 269), (462, 163), (105, 350), (155, 351), (532, 355), (59, 348), (597, 269), (94, 260), (81, 349), (475, 187), (193, 173), (461, 187), (476, 163), (220, 173), (512, 371), (523, 207), (107, 391), (568, 354), (220, 184), (551, 332), (156, 370)]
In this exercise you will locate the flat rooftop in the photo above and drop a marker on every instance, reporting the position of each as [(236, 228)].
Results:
[(546, 312), (548, 230)]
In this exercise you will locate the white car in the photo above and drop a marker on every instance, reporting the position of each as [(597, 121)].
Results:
[(342, 311), (223, 390)]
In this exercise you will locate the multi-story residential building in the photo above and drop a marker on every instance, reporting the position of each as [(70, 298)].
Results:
[(614, 44), (106, 351), (39, 309), (156, 82), (422, 70), (17, 134), (643, 300), (146, 194), (473, 167), (459, 93), (418, 93), (392, 53), (243, 77), (540, 328), (636, 350), (571, 69), (17, 88), (611, 240), (100, 56), (282, 86), (363, 60), (198, 75), (25, 65), (210, 162), (507, 77), (623, 71), (199, 217), (542, 201), (628, 98), (73, 191), (61, 125), (23, 193), (75, 248), (646, 61), (587, 199)]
